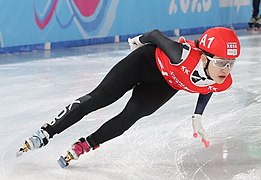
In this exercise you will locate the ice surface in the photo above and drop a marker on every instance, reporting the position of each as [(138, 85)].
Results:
[(36, 86)]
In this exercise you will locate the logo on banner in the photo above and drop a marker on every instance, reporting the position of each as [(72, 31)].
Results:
[(204, 5), (232, 3), (194, 5)]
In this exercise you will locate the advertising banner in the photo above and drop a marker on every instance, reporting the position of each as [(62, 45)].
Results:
[(30, 24)]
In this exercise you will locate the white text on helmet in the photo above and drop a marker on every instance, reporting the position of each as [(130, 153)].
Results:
[(203, 41)]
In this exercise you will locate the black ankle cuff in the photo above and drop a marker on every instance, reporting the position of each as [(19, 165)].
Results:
[(48, 129), (92, 142)]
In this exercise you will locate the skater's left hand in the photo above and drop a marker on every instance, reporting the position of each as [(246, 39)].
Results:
[(135, 43), (199, 130)]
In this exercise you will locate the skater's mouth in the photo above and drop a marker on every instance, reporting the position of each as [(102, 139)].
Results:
[(222, 77)]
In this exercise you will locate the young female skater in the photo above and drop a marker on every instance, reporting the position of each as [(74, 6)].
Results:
[(155, 71)]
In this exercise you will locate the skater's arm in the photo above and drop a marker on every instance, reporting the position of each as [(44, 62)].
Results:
[(171, 48), (202, 103), (196, 118)]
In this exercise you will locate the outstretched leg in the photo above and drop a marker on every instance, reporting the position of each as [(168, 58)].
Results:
[(122, 77), (145, 100)]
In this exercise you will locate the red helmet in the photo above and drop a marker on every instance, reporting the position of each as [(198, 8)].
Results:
[(221, 42)]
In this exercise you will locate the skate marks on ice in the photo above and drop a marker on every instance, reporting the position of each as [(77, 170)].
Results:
[(233, 153)]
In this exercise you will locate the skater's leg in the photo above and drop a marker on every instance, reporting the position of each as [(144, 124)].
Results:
[(145, 100), (256, 4), (149, 95), (122, 77), (254, 22)]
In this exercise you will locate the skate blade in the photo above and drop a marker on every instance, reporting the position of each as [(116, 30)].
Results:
[(64, 161), (23, 149), (19, 153)]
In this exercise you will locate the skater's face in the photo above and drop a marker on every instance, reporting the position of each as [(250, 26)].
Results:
[(218, 68)]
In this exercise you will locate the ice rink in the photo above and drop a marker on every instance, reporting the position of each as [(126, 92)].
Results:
[(36, 86)]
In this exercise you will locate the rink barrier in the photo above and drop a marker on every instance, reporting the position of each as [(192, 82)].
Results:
[(113, 39)]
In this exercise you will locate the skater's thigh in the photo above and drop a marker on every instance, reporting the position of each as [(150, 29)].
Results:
[(147, 98), (125, 75)]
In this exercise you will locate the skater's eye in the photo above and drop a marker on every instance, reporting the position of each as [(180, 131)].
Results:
[(222, 63)]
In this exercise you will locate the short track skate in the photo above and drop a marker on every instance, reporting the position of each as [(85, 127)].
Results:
[(254, 27), (64, 161)]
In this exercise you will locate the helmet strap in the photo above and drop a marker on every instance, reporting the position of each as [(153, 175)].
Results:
[(206, 69)]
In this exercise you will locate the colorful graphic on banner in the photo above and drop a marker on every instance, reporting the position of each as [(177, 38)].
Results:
[(88, 15), (42, 19)]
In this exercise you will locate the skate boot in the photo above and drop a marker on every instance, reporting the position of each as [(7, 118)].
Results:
[(252, 22), (39, 139), (75, 151)]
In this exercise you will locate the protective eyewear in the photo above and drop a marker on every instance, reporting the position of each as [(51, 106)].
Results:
[(222, 63)]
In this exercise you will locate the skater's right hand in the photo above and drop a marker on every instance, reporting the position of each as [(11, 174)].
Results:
[(199, 130), (135, 43)]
